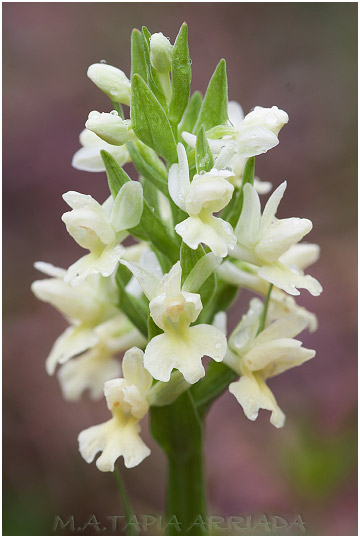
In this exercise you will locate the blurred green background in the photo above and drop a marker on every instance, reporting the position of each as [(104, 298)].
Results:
[(298, 56)]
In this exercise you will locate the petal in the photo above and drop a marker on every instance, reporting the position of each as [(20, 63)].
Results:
[(125, 442), (280, 236), (271, 207), (88, 372), (104, 263), (128, 207), (189, 138), (284, 350), (148, 281), (301, 255), (170, 283), (133, 370), (252, 395), (73, 341), (76, 200), (246, 330), (248, 227), (212, 231), (208, 340), (232, 274), (287, 280), (235, 113), (165, 352), (179, 181), (50, 269), (286, 327), (254, 140), (74, 303), (262, 187), (227, 157)]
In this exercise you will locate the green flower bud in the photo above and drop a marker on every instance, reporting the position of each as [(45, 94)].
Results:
[(110, 127), (111, 81), (160, 53)]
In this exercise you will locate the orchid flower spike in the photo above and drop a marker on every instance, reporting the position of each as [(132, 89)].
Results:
[(86, 307), (88, 157), (257, 357), (265, 241), (100, 229), (173, 309), (206, 194), (90, 370), (119, 436)]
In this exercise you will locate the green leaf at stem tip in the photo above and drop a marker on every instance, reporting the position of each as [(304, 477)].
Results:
[(191, 113), (146, 165), (214, 106), (138, 65), (134, 308), (180, 76), (149, 120), (203, 154), (232, 212)]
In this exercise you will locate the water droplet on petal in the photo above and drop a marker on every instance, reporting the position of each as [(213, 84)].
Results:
[(102, 61), (218, 346), (94, 115), (114, 113)]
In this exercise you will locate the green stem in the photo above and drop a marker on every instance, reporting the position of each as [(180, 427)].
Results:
[(185, 499), (128, 511), (264, 312), (179, 431)]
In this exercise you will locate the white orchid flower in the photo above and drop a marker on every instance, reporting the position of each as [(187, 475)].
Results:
[(206, 194), (85, 307), (100, 229), (88, 157), (257, 357), (173, 309), (119, 436), (265, 241), (111, 81), (93, 368), (248, 136), (243, 274)]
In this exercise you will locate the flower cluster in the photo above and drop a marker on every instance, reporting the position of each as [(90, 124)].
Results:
[(194, 235)]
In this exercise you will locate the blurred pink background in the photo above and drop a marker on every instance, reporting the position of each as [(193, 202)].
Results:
[(298, 56)]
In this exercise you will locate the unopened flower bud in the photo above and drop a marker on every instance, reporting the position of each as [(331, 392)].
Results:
[(273, 118), (160, 53), (110, 127), (111, 81)]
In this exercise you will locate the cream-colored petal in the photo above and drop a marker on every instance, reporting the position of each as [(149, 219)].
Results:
[(88, 372), (262, 187), (235, 113), (284, 350), (73, 341), (148, 281), (128, 207), (286, 327), (133, 370), (104, 263), (248, 227), (212, 231), (50, 269), (125, 442), (271, 207), (170, 283), (179, 181), (255, 140), (245, 332), (287, 280), (208, 340), (301, 255), (252, 395), (280, 236)]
